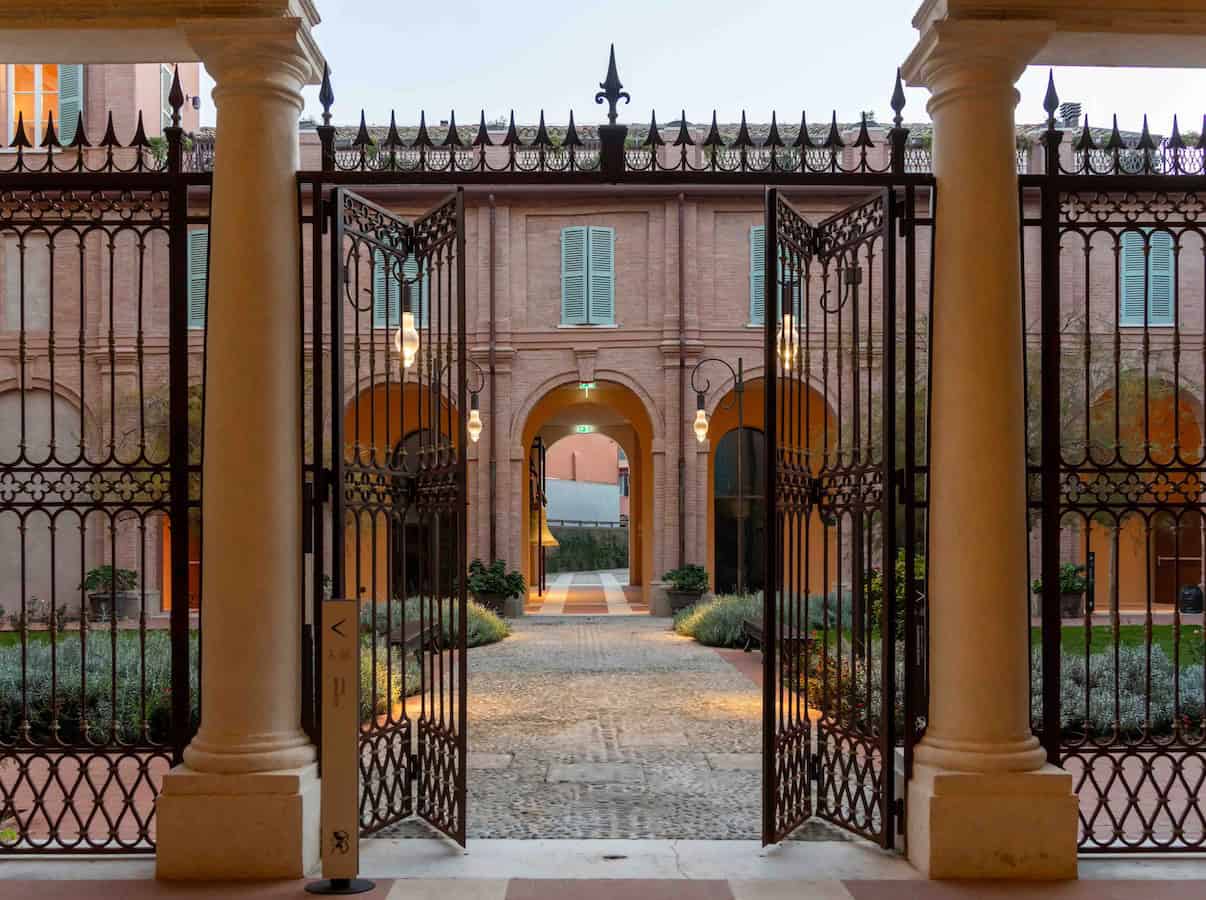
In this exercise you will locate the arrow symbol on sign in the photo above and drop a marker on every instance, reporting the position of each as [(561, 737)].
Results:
[(335, 627)]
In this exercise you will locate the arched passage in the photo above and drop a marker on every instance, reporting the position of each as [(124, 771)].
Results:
[(614, 410), (1145, 422), (723, 501), (389, 425)]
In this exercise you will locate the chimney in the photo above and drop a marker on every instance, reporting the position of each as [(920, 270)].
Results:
[(1069, 114)]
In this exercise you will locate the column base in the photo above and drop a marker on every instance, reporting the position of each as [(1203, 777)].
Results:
[(1015, 825), (228, 827)]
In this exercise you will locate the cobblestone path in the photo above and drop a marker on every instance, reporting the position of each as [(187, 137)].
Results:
[(609, 728)]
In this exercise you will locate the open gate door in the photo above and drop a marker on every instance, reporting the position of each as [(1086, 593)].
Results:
[(399, 500), (831, 713)]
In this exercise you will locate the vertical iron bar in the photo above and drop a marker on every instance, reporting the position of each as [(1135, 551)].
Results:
[(890, 507), (770, 670), (1050, 459), (462, 735), (319, 221), (179, 465), (910, 478)]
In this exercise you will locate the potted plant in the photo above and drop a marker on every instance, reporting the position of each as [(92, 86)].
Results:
[(497, 589), (1072, 585), (685, 586), (107, 585)]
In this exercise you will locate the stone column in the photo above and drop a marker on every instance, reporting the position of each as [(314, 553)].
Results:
[(245, 802), (982, 802)]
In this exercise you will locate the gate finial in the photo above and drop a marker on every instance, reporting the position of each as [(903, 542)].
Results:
[(1175, 141), (898, 101), (1051, 100), (1084, 143), (483, 134), (802, 138), (653, 138), (571, 134), (51, 139), (684, 135), (176, 97), (326, 96), (613, 90)]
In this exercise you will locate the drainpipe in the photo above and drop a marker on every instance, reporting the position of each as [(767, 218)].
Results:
[(493, 394), (682, 380)]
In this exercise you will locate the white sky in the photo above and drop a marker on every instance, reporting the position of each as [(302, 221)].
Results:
[(699, 54)]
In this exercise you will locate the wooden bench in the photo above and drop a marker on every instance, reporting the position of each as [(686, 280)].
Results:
[(796, 641), (414, 637)]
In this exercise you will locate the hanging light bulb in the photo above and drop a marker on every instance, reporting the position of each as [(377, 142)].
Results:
[(701, 419), (788, 342), (406, 338), (474, 425)]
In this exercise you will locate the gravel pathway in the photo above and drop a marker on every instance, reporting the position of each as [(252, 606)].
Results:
[(609, 728)]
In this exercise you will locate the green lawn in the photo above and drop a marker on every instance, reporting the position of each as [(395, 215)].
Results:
[(1102, 640)]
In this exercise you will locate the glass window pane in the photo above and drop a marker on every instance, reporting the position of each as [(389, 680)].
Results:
[(50, 104), (23, 78), (50, 78), (23, 105)]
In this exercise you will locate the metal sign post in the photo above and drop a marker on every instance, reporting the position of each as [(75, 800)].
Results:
[(340, 751)]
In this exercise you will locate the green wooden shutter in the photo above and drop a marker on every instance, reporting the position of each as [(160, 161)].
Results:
[(387, 291), (198, 276), (419, 293), (71, 101), (1161, 279), (384, 316), (573, 276), (602, 266), (758, 275), (1132, 280)]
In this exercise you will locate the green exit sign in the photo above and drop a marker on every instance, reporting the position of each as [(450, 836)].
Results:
[(584, 429)]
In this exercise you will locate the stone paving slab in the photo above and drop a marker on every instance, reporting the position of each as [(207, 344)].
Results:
[(490, 760), (596, 773), (745, 762)]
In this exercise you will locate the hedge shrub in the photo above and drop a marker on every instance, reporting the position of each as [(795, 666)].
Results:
[(109, 717), (587, 549)]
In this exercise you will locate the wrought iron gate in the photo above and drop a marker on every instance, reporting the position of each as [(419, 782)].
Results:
[(1116, 369), (102, 308), (538, 503), (398, 437), (843, 652)]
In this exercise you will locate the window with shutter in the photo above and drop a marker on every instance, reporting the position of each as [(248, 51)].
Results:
[(387, 291), (574, 291), (36, 91), (1147, 279), (602, 276), (758, 275), (198, 276), (758, 279)]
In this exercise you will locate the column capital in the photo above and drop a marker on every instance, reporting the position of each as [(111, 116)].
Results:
[(275, 54), (974, 53)]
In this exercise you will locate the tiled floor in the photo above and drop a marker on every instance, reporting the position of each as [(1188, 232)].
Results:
[(617, 889), (616, 870)]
